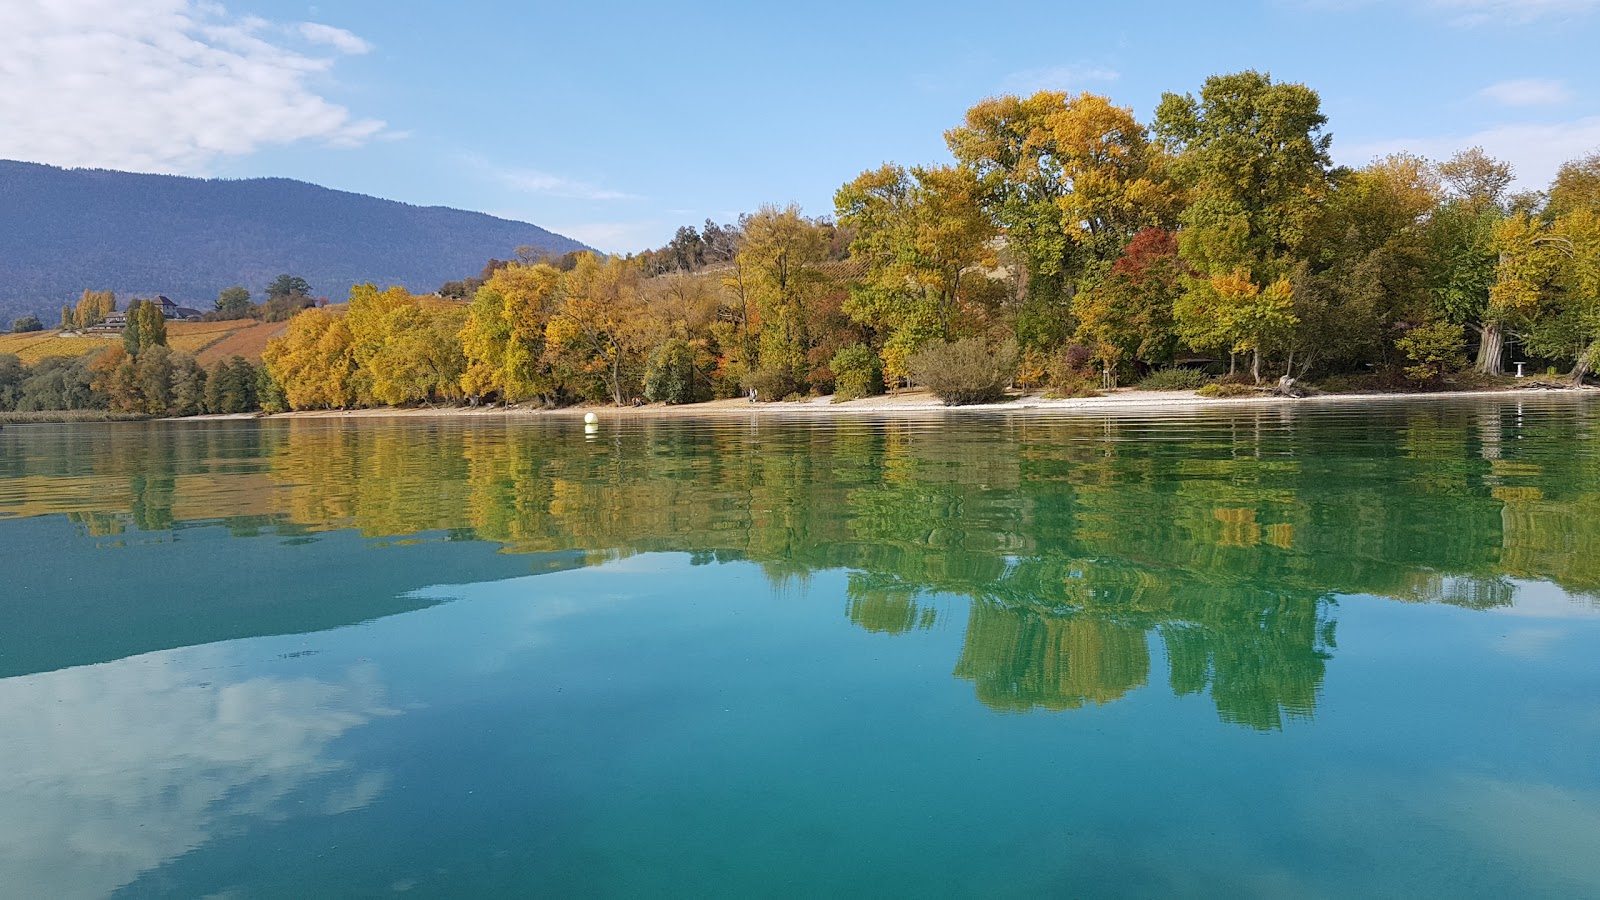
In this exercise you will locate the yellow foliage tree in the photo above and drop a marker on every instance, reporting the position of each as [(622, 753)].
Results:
[(407, 349), (504, 333), (602, 329), (314, 361)]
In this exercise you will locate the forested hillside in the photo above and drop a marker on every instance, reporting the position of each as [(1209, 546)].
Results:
[(66, 230)]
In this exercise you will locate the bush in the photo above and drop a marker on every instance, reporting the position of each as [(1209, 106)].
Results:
[(965, 371), (27, 324), (857, 372), (671, 375), (1433, 349), (1073, 384), (1174, 378), (773, 383), (1222, 389)]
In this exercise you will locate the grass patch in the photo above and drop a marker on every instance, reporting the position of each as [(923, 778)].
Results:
[(67, 416), (1223, 390)]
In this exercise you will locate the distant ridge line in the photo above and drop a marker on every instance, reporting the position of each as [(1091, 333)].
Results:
[(66, 230)]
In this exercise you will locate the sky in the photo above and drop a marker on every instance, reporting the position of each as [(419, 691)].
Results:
[(616, 122)]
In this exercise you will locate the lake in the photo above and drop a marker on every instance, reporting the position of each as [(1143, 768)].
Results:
[(1313, 650)]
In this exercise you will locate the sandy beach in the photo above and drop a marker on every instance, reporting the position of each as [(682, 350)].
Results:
[(1123, 400)]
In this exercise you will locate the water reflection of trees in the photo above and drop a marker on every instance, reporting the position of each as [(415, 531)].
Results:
[(1222, 539)]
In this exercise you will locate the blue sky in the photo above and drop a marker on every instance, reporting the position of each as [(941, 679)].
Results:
[(616, 122)]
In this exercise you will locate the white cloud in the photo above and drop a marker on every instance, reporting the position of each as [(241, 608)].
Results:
[(534, 182), (1056, 78), (1527, 92), (614, 237), (337, 38), (113, 769), (160, 85), (1536, 150)]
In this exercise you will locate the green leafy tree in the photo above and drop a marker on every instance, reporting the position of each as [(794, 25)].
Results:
[(146, 328), (1254, 158), (781, 263), (857, 372), (287, 285), (12, 375), (188, 382), (26, 324), (673, 375), (234, 303)]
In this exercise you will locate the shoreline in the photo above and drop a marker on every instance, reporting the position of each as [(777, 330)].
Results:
[(912, 401)]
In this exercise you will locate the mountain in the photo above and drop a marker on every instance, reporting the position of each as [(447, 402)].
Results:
[(65, 230)]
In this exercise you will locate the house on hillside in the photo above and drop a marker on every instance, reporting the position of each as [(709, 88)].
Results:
[(118, 321), (173, 311)]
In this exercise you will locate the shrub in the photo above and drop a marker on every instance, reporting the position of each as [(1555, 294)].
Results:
[(857, 372), (773, 383), (1174, 378), (1073, 384), (1433, 350), (671, 376), (965, 371), (1222, 389)]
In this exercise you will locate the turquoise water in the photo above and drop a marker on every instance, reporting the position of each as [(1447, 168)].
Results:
[(1309, 651)]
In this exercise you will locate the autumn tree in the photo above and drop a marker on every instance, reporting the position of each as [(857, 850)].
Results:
[(313, 362), (504, 333), (1548, 285), (1070, 180), (600, 328), (406, 349), (1127, 315), (780, 266), (1576, 187), (922, 233), (92, 309), (1232, 312)]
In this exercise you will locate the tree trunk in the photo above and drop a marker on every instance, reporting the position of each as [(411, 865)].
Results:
[(1491, 350), (1255, 365), (1233, 359), (1580, 369)]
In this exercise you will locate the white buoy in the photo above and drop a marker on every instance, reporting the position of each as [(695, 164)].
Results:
[(591, 419)]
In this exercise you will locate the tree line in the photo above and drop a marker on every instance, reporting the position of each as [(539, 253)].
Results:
[(1068, 246), (140, 375)]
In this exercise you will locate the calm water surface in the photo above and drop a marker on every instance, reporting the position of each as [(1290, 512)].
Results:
[(1310, 651)]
